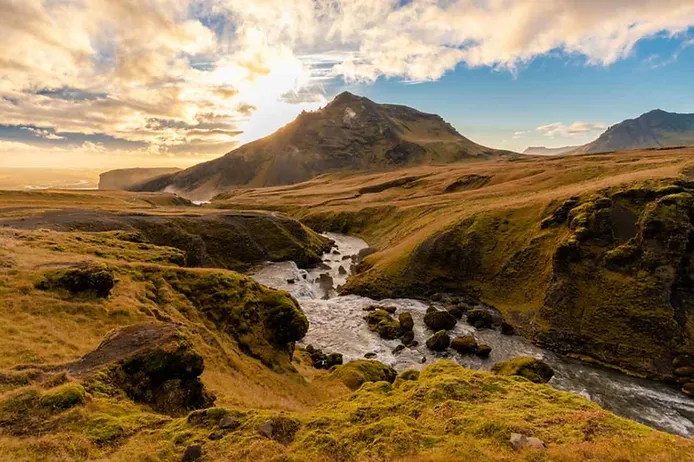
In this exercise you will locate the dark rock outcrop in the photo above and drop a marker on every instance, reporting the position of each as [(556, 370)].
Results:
[(87, 279), (152, 364)]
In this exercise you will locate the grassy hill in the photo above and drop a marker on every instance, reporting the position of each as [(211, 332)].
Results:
[(349, 134), (586, 255), (108, 355)]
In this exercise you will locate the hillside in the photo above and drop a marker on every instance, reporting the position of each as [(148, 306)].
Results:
[(586, 255), (654, 129), (349, 134), (123, 178), (110, 350)]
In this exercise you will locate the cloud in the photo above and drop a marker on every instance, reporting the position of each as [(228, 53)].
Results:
[(184, 76), (575, 129)]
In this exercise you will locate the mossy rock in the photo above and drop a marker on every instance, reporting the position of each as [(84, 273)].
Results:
[(280, 428), (525, 366), (455, 311), (406, 321), (437, 320), (465, 344), (439, 341), (480, 318), (381, 322), (96, 280), (483, 350), (355, 373), (152, 364)]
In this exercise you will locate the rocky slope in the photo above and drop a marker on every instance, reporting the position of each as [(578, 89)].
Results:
[(351, 133), (654, 129), (124, 178)]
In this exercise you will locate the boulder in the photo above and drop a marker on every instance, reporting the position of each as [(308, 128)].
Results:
[(480, 318), (525, 366), (280, 428), (437, 320), (334, 359), (381, 322), (192, 453), (229, 423), (355, 373), (465, 344), (439, 341), (152, 364), (683, 361), (688, 389), (398, 349), (507, 329), (407, 338), (686, 371), (520, 442), (483, 351), (342, 270), (406, 321), (456, 312)]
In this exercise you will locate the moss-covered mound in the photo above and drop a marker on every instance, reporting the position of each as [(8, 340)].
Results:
[(446, 412), (355, 373), (265, 323), (151, 363), (525, 366)]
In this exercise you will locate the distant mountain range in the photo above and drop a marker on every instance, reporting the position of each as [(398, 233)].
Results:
[(351, 133), (654, 129)]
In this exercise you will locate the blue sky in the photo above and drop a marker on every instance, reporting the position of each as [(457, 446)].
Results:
[(176, 82), (489, 106)]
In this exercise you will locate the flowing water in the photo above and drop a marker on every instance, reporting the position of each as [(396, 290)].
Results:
[(337, 325)]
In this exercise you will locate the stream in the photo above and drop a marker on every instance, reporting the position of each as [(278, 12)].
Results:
[(337, 325)]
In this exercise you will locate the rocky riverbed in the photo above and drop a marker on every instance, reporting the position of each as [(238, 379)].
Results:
[(338, 325)]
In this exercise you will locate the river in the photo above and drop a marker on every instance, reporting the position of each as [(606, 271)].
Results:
[(337, 325)]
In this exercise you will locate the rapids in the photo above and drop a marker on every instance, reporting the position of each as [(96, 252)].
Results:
[(337, 325)]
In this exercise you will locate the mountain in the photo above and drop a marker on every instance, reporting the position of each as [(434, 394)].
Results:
[(543, 151), (654, 129), (351, 133), (123, 178)]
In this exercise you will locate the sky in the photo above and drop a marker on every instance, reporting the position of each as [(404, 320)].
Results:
[(144, 83)]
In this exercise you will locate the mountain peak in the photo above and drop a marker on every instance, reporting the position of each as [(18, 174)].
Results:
[(351, 133)]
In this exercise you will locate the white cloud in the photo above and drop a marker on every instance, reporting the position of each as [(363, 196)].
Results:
[(577, 128), (210, 69)]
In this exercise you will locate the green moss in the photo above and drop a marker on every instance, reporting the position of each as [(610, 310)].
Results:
[(103, 429), (383, 323), (63, 397), (525, 366), (355, 373)]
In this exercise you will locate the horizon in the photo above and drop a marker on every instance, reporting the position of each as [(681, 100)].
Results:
[(172, 83)]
